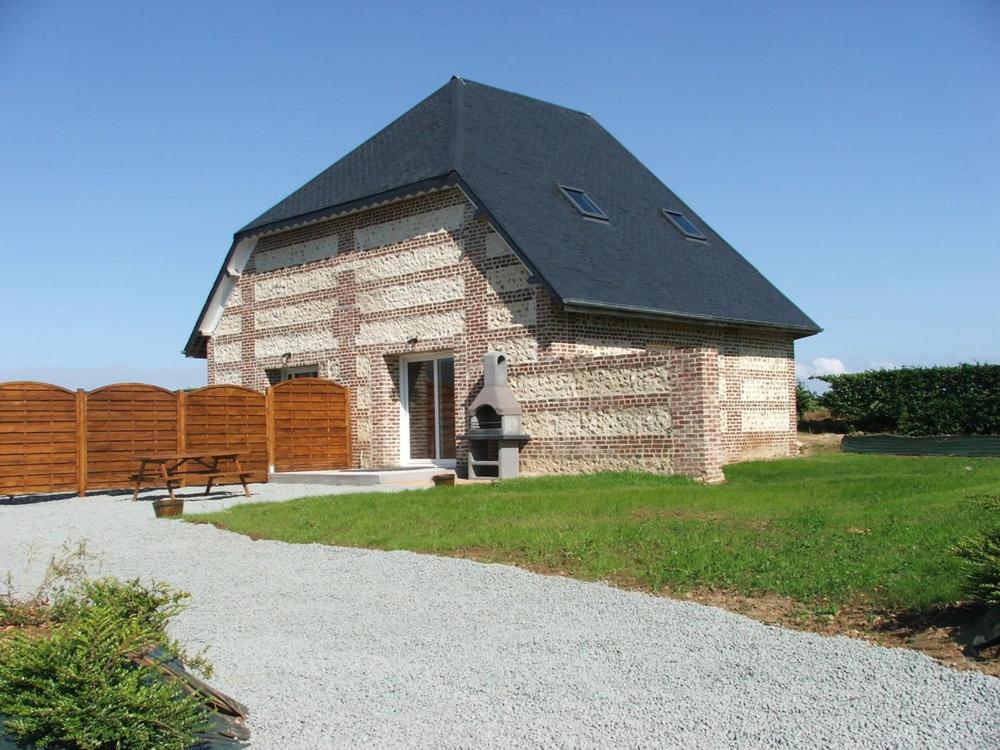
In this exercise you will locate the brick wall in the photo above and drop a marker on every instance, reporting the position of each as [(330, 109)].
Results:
[(652, 411), (756, 371), (350, 294)]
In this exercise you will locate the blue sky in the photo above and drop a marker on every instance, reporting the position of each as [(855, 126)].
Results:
[(849, 150)]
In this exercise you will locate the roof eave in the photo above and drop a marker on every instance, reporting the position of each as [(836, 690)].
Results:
[(196, 345), (359, 204), (633, 311)]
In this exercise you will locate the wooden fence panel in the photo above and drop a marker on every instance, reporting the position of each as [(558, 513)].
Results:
[(228, 417), (311, 425), (38, 438), (55, 440), (124, 421)]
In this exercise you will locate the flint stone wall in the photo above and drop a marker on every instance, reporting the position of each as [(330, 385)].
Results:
[(354, 294)]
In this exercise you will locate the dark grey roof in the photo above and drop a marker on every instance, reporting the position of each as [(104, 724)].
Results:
[(511, 153), (413, 148)]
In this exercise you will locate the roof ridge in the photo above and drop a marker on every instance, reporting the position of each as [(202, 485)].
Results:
[(467, 81), (344, 158), (457, 123)]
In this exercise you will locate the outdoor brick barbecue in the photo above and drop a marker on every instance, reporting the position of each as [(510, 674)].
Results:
[(495, 434)]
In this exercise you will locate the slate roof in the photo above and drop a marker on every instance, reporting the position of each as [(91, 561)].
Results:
[(511, 153), (414, 148)]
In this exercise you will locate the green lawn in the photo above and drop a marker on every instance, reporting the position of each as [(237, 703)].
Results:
[(827, 531)]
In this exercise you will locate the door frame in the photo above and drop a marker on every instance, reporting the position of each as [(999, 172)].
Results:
[(404, 413)]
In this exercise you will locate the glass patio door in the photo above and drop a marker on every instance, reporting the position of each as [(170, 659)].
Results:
[(427, 420)]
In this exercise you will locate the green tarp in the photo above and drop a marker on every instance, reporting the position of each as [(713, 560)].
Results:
[(938, 445)]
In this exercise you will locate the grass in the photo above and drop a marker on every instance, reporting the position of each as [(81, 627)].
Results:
[(827, 531)]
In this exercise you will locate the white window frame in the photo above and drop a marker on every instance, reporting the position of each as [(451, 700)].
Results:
[(600, 216), (302, 371), (670, 215), (404, 413)]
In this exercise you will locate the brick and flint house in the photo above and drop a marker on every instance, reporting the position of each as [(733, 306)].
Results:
[(484, 220)]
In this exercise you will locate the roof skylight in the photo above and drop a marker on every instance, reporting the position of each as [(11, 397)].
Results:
[(684, 225), (582, 203)]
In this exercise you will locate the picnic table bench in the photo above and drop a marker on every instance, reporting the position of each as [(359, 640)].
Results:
[(170, 470)]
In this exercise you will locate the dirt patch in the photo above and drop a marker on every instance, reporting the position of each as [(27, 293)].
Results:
[(811, 444), (940, 633)]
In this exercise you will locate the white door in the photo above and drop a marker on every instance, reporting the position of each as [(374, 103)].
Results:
[(427, 418)]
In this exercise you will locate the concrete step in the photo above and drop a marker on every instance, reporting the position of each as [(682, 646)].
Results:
[(359, 477)]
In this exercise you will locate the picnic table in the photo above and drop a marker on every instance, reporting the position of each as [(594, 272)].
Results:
[(170, 469)]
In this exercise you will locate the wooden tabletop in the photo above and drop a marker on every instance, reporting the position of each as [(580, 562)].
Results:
[(186, 456)]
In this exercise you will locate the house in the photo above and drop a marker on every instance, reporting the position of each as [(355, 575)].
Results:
[(485, 220)]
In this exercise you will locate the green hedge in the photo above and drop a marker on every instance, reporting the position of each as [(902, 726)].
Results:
[(962, 400), (805, 400)]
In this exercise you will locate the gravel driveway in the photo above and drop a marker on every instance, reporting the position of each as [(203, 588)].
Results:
[(334, 647)]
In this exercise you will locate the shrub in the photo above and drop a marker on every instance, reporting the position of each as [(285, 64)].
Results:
[(805, 400), (152, 607), (65, 568), (79, 686), (962, 400), (981, 555)]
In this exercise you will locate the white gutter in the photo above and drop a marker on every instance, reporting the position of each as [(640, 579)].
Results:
[(230, 278)]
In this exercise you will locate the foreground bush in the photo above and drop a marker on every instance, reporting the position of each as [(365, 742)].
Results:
[(981, 555), (962, 400), (78, 684)]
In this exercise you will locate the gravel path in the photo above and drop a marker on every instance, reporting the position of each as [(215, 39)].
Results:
[(334, 647)]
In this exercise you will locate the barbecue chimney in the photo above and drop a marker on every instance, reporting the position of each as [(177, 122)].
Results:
[(495, 433)]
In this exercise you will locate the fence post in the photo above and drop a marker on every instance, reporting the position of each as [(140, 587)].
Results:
[(347, 427), (81, 442), (181, 421), (182, 426), (269, 413)]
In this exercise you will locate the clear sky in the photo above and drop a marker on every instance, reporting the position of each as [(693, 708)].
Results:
[(850, 150)]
